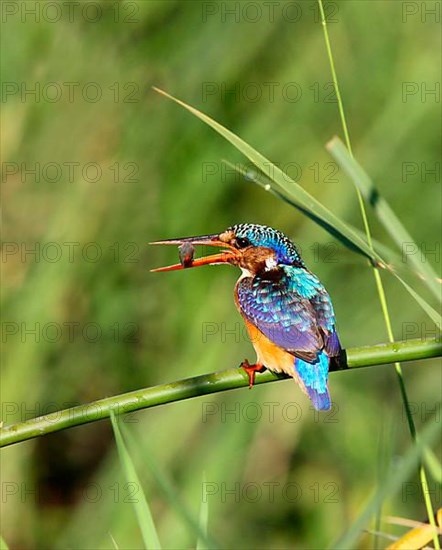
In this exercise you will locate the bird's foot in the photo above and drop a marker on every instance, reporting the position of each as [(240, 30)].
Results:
[(251, 370)]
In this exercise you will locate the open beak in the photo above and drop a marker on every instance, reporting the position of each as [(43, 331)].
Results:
[(186, 250)]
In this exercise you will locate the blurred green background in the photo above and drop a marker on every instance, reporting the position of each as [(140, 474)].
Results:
[(96, 165)]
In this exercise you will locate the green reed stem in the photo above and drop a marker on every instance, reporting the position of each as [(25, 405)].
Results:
[(381, 354), (377, 276)]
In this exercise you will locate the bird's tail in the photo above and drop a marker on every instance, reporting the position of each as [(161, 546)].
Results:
[(313, 377)]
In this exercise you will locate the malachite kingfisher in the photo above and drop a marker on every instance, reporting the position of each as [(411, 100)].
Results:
[(288, 313)]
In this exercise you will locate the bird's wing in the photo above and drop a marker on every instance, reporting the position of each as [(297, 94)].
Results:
[(282, 313), (326, 321), (293, 310), (308, 286)]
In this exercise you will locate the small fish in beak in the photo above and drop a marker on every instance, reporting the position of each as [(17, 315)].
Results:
[(186, 247), (186, 252)]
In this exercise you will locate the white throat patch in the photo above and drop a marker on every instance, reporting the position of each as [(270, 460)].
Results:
[(245, 273), (271, 263)]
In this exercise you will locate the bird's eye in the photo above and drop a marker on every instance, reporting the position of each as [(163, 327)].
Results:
[(242, 242)]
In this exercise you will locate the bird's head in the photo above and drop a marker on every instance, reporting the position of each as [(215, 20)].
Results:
[(256, 249)]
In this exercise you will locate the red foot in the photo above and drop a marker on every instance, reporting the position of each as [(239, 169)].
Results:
[(251, 370)]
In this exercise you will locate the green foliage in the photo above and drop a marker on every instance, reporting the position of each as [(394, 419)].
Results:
[(156, 329), (141, 507), (387, 217)]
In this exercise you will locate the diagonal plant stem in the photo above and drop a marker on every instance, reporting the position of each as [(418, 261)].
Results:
[(305, 201), (381, 354), (386, 216), (378, 280)]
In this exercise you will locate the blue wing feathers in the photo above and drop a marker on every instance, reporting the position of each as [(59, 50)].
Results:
[(284, 317), (295, 312), (332, 345)]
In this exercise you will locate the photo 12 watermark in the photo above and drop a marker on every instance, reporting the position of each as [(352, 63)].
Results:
[(54, 411), (29, 11), (423, 92), (69, 332), (323, 173), (270, 492), (52, 252), (425, 172), (69, 172), (13, 492), (424, 11), (412, 492), (231, 11), (422, 330), (423, 411), (233, 333), (424, 251), (53, 92), (272, 412), (253, 92)]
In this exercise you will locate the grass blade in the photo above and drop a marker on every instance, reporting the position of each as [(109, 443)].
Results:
[(433, 465), (377, 276), (265, 183), (431, 312), (290, 186), (114, 542), (174, 500), (391, 484), (415, 539), (141, 507), (386, 216), (203, 519), (303, 199)]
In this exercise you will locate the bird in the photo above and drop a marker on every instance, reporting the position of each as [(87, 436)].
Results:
[(287, 311)]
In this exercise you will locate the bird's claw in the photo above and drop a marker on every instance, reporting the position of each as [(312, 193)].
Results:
[(250, 371)]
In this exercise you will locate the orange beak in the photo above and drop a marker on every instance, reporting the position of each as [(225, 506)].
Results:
[(186, 247)]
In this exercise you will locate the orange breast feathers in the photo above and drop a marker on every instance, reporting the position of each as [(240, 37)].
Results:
[(269, 354)]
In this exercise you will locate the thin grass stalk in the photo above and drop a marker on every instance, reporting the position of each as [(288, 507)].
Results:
[(378, 279), (386, 216), (171, 493), (203, 519), (393, 482), (141, 506)]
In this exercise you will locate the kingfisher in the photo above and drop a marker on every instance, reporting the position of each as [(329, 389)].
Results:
[(287, 311)]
